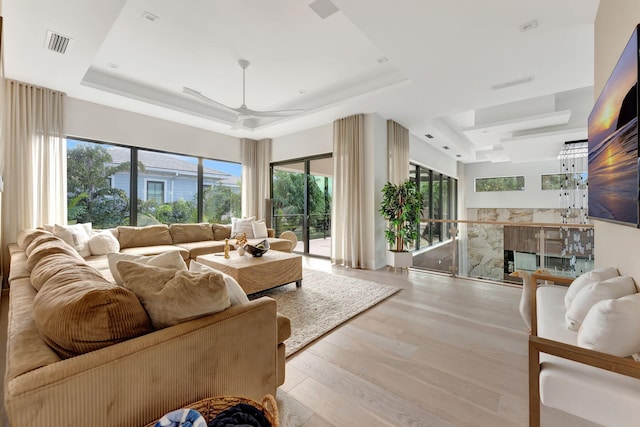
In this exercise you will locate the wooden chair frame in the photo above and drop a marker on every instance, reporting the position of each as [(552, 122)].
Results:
[(539, 345)]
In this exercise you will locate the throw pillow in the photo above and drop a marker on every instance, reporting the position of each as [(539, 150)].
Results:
[(87, 314), (25, 237), (259, 229), (235, 291), (45, 249), (169, 259), (592, 293), (172, 296), (103, 243), (76, 235), (613, 326), (242, 226), (597, 275)]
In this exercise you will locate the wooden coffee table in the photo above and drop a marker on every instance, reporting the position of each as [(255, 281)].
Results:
[(255, 274)]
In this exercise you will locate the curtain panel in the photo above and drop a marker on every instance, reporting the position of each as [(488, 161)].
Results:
[(348, 215), (256, 158), (35, 171), (398, 148)]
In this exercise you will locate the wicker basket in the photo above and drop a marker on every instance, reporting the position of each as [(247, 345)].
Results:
[(211, 407)]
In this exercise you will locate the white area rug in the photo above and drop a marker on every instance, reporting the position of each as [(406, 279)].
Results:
[(323, 302)]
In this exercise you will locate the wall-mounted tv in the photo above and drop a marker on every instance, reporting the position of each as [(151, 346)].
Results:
[(613, 143)]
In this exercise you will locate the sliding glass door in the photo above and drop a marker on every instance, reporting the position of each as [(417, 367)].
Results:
[(301, 201)]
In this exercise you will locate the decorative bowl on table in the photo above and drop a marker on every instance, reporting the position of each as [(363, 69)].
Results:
[(258, 249)]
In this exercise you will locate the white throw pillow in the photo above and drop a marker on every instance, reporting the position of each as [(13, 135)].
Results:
[(613, 326), (76, 235), (103, 243), (169, 259), (593, 293), (172, 296), (242, 225), (597, 275), (259, 229), (236, 293)]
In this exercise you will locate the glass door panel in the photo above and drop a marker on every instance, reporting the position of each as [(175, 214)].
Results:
[(319, 194), (288, 200)]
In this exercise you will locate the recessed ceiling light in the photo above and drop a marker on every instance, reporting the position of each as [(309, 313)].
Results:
[(458, 155), (383, 59), (445, 147), (302, 91), (528, 26), (428, 135), (150, 16), (112, 65)]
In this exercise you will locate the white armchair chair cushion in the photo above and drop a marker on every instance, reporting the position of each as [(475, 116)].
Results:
[(613, 326), (597, 275), (593, 293)]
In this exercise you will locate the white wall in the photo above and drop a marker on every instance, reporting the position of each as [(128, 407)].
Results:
[(425, 155), (93, 121), (615, 245), (532, 197), (310, 142)]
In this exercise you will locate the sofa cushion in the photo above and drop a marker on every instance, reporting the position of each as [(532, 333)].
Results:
[(103, 243), (151, 235), (76, 235), (550, 315), (173, 296), (202, 248), (49, 248), (613, 326), (597, 275), (156, 250), (185, 233), (51, 266), (235, 291), (169, 259), (38, 241), (221, 231), (589, 295), (87, 314), (25, 237)]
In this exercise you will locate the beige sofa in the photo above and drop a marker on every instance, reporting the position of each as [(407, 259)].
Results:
[(110, 375)]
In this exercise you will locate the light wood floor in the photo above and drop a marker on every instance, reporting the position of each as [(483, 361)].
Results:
[(441, 352)]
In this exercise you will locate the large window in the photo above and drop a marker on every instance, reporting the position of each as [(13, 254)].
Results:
[(439, 195), (169, 188)]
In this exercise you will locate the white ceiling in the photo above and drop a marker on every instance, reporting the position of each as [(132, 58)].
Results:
[(436, 67)]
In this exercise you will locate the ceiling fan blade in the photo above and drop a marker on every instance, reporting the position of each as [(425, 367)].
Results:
[(275, 113), (201, 97), (239, 121)]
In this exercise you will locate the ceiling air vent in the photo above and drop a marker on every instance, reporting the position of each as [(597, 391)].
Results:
[(57, 42)]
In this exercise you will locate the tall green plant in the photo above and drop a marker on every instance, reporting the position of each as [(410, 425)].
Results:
[(401, 206)]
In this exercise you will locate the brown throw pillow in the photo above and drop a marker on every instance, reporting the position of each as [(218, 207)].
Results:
[(56, 267), (25, 237), (173, 296), (49, 248), (86, 315)]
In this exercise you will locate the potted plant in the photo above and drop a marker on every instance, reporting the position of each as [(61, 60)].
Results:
[(401, 206)]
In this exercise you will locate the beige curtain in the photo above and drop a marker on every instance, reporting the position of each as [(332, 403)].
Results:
[(256, 158), (348, 215), (398, 147), (35, 171)]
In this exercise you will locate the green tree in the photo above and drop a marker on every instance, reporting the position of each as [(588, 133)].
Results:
[(289, 197), (89, 195), (220, 204)]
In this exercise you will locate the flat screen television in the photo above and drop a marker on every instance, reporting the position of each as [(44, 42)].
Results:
[(613, 143)]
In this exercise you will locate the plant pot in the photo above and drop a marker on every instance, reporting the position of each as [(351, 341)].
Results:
[(399, 259)]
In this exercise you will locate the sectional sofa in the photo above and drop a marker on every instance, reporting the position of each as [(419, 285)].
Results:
[(81, 350)]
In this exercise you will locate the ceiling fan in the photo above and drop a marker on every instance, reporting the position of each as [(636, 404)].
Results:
[(242, 112)]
